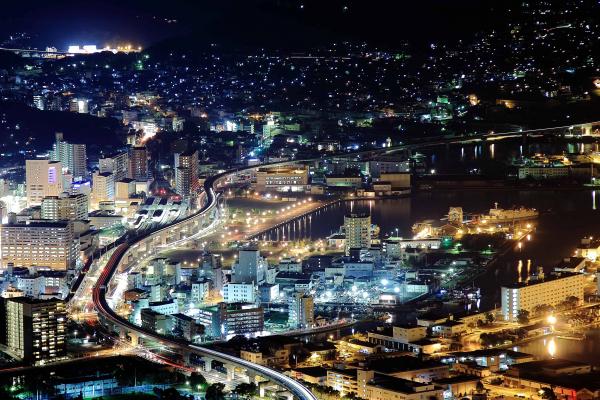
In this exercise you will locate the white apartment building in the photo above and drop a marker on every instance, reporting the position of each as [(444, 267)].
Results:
[(239, 293), (549, 290)]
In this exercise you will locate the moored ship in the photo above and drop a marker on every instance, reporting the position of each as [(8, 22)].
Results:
[(500, 215)]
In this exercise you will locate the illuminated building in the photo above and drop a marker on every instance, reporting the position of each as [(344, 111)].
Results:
[(148, 126), (301, 311), (73, 157), (39, 102), (239, 293), (282, 179), (155, 321), (124, 189), (103, 187), (65, 206), (80, 106), (38, 243), (200, 290), (43, 178), (92, 48), (224, 319), (385, 387), (184, 326), (249, 268), (186, 173), (357, 228), (44, 284), (35, 329), (542, 290), (343, 181), (116, 163), (138, 163)]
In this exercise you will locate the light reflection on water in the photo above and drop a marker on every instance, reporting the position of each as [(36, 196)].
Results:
[(586, 350)]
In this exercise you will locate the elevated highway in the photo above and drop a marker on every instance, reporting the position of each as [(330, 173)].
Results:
[(134, 248)]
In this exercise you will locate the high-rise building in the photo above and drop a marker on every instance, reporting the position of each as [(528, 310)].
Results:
[(138, 163), (38, 243), (186, 173), (72, 156), (301, 311), (249, 268), (39, 102), (42, 178), (103, 187), (117, 163), (357, 228), (35, 330), (65, 206)]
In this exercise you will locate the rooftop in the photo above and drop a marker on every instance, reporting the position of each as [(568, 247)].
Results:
[(547, 278), (312, 371), (402, 363), (397, 384)]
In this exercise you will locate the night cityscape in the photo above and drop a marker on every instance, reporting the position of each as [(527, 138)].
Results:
[(300, 200)]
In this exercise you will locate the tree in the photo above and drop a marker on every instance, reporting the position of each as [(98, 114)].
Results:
[(479, 387), (246, 389), (215, 392), (547, 393), (196, 380), (523, 316), (489, 317), (542, 310)]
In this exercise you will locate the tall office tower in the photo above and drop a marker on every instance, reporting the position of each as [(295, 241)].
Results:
[(186, 173), (103, 187), (38, 102), (138, 163), (358, 231), (38, 243), (117, 163), (250, 267), (35, 329), (72, 156), (65, 207), (42, 178), (301, 313)]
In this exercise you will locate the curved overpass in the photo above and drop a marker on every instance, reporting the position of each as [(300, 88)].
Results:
[(121, 258)]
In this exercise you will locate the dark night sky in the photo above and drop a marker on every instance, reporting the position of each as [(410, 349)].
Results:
[(60, 22)]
